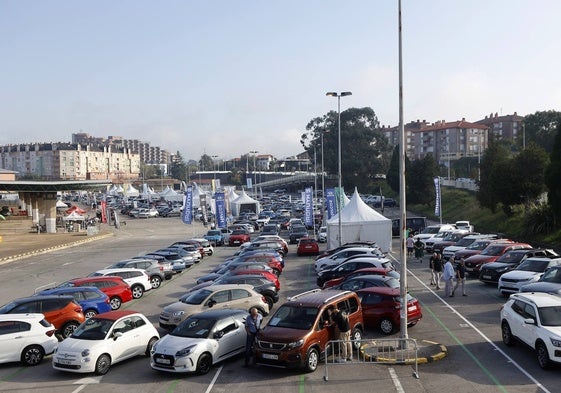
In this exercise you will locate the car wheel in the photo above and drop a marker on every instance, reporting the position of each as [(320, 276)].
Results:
[(150, 345), (312, 360), (356, 337), (32, 355), (155, 281), (508, 339), (276, 272), (69, 328), (90, 313), (387, 326), (102, 364), (542, 355), (204, 363), (269, 301), (137, 292), (115, 303), (210, 253)]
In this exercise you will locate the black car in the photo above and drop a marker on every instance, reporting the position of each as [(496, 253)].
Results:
[(490, 272), (296, 233)]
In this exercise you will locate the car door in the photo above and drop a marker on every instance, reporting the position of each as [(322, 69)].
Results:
[(230, 336), (125, 346), (240, 298), (14, 336), (219, 300)]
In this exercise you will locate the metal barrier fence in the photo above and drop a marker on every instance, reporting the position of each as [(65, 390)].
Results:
[(373, 351)]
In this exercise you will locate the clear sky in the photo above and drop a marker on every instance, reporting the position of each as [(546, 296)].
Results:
[(225, 77)]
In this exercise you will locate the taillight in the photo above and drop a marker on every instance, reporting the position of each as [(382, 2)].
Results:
[(50, 333)]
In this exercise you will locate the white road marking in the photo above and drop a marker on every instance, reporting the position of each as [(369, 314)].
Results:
[(395, 380)]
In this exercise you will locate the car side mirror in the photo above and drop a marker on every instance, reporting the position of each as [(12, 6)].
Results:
[(325, 324), (218, 335), (211, 302), (529, 321), (116, 335)]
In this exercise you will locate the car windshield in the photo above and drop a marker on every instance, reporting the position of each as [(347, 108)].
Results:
[(552, 275), (294, 317), (511, 257), (239, 232), (464, 242), (430, 230), (6, 308), (214, 233), (194, 328), (530, 265), (493, 250), (196, 297), (478, 246), (550, 316), (93, 329)]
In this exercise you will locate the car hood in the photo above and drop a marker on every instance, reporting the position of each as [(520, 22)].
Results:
[(281, 334), (519, 275), (497, 265), (76, 345), (178, 306), (169, 344), (466, 253), (481, 258), (549, 287)]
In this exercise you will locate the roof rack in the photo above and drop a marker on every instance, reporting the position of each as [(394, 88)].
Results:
[(304, 293)]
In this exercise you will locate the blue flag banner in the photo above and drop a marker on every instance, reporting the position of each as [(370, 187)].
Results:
[(187, 214), (330, 201), (437, 203), (220, 209), (308, 207)]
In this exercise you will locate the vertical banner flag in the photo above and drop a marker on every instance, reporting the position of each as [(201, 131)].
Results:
[(202, 206), (249, 183), (330, 200), (187, 213), (339, 197), (220, 210), (437, 203), (308, 207)]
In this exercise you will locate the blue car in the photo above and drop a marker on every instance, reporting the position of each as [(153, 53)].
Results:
[(92, 300)]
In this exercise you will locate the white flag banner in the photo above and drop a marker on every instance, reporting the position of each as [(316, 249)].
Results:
[(437, 204)]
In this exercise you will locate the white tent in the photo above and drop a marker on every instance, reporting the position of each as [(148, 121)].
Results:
[(245, 203), (74, 216), (130, 191), (359, 222), (171, 195)]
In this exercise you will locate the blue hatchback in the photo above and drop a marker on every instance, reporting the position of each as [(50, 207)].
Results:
[(92, 300)]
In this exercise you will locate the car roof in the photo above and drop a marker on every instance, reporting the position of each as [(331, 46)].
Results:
[(317, 297), (220, 313), (220, 287), (68, 290), (540, 299), (26, 316), (117, 314), (96, 278), (382, 290), (117, 270), (40, 297)]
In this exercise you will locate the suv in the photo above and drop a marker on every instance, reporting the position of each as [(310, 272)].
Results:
[(62, 311), (215, 237), (115, 287), (490, 272), (207, 246), (297, 232), (155, 270), (528, 271), (534, 319), (299, 333), (549, 282), (91, 299), (463, 244), (347, 268), (26, 338), (491, 253), (137, 279), (214, 296)]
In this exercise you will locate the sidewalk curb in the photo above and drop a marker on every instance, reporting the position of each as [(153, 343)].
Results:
[(49, 249), (440, 353)]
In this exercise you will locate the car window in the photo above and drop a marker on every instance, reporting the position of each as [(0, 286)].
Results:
[(124, 325), (91, 295), (137, 321), (8, 327), (221, 296), (28, 307), (240, 294), (550, 316), (225, 326), (371, 298), (78, 296)]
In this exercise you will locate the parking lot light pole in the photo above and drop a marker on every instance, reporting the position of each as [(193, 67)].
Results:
[(254, 152), (339, 202)]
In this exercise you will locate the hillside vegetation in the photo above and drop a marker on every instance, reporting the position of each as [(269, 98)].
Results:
[(462, 205)]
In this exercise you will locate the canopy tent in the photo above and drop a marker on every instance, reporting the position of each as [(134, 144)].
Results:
[(171, 195), (130, 191), (245, 203), (359, 222), (61, 205), (74, 216), (197, 192), (76, 209)]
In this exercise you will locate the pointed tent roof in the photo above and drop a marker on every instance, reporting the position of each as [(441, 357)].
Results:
[(244, 198), (74, 216), (356, 210)]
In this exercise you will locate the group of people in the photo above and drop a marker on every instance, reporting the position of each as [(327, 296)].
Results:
[(448, 273), (415, 246)]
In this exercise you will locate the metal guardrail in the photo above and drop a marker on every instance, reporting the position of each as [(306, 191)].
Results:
[(373, 351)]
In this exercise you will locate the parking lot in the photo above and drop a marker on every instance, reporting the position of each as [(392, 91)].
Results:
[(468, 327)]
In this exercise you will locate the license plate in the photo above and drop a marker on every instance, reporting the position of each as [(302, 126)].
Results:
[(469, 269), (63, 361), (163, 361), (485, 277), (236, 242), (270, 356), (411, 308)]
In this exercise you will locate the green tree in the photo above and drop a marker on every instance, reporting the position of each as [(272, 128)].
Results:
[(206, 163), (419, 180), (178, 167), (494, 160), (553, 174), (528, 170), (392, 175), (541, 128), (364, 148)]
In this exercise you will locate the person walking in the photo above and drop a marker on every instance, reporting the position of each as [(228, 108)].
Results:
[(436, 269), (341, 320), (448, 276), (410, 244), (419, 249), (252, 326), (460, 277)]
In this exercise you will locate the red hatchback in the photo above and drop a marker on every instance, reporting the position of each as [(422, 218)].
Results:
[(307, 246), (238, 237), (379, 271), (113, 286), (381, 308)]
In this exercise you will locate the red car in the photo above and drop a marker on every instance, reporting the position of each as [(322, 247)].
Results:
[(268, 275), (269, 259), (307, 246), (490, 254), (381, 308), (113, 286), (193, 242), (360, 272), (238, 237)]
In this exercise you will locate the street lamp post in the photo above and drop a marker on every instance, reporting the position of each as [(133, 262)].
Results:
[(339, 203), (254, 152)]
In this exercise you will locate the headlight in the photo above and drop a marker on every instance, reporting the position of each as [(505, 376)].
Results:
[(295, 344), (178, 313), (85, 352), (555, 341), (185, 351)]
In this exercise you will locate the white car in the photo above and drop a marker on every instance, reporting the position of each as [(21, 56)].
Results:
[(535, 320), (104, 340), (200, 341), (207, 246), (26, 338), (322, 235), (527, 272), (138, 279), (342, 255)]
